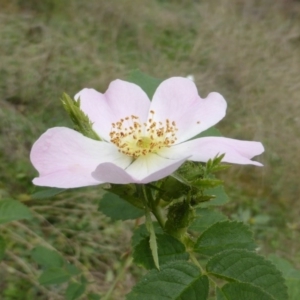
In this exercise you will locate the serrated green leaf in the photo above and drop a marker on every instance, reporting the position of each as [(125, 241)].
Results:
[(2, 247), (12, 210), (118, 209), (290, 274), (147, 83), (205, 217), (46, 257), (223, 236), (242, 291), (141, 233), (176, 280), (152, 239), (248, 267), (169, 249), (54, 276), (220, 197), (74, 290), (47, 193)]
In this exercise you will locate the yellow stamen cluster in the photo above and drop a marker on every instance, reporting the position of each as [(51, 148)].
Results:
[(134, 138)]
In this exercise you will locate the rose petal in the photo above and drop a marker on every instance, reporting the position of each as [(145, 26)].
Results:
[(150, 168), (203, 149), (109, 172), (177, 99), (122, 99), (65, 158)]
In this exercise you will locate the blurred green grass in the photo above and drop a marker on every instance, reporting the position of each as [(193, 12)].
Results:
[(247, 50)]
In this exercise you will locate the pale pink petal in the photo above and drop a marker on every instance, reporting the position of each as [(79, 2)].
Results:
[(177, 99), (109, 172), (122, 99), (65, 158), (203, 149), (143, 170), (145, 166)]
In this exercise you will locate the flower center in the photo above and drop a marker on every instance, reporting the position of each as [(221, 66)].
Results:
[(135, 138)]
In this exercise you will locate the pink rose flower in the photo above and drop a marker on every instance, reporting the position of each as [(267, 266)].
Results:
[(141, 140)]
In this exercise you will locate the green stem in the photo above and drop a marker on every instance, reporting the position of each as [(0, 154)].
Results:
[(125, 266), (155, 208), (203, 272), (150, 228), (196, 262), (157, 212)]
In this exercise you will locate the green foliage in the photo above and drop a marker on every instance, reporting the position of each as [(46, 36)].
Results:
[(47, 258), (47, 193), (12, 210), (118, 209), (81, 121), (245, 291), (248, 267), (75, 290), (205, 217), (54, 276), (218, 196), (2, 247), (290, 274), (169, 249), (147, 83), (223, 236), (130, 192), (175, 280), (141, 233), (93, 296), (171, 189), (57, 271)]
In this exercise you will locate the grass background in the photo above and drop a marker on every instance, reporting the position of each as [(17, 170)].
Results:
[(248, 50)]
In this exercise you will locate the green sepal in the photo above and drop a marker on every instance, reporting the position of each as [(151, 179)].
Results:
[(152, 239), (171, 189), (141, 233), (206, 183), (81, 121)]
